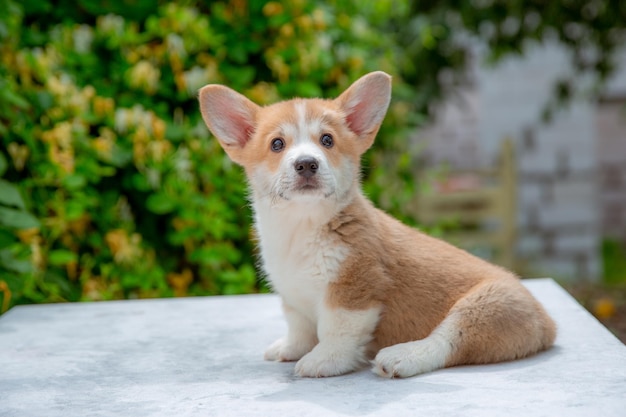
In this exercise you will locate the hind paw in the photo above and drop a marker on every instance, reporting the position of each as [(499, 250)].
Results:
[(412, 358)]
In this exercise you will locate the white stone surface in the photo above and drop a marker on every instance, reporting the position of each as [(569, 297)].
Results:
[(204, 357)]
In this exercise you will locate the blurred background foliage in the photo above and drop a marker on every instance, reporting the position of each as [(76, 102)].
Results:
[(110, 184)]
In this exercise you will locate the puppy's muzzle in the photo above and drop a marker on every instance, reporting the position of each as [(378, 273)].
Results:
[(306, 166)]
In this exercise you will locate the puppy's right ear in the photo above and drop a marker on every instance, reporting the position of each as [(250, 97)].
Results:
[(230, 116), (365, 104)]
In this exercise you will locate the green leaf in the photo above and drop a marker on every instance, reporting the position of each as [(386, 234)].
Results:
[(7, 238), (74, 181), (44, 99), (76, 207), (174, 132), (240, 75), (17, 219), (308, 89), (10, 195), (60, 257), (8, 261), (205, 256), (120, 157), (160, 203), (3, 164), (14, 99), (140, 182)]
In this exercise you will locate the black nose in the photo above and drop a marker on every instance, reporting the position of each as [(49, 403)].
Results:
[(306, 166)]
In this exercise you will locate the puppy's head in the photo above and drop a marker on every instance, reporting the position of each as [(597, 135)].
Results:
[(301, 149)]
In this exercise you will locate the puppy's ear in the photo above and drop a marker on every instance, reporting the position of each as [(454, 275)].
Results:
[(230, 116), (365, 104)]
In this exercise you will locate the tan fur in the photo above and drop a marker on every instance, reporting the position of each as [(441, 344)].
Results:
[(419, 280), (415, 286)]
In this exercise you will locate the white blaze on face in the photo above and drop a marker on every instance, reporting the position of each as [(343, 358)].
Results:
[(303, 134), (303, 142)]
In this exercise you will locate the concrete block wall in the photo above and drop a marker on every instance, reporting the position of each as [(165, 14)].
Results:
[(611, 149), (453, 140), (559, 196), (571, 172)]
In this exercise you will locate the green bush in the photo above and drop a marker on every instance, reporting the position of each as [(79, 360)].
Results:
[(614, 261), (112, 187)]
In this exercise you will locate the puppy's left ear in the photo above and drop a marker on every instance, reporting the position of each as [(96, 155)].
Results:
[(365, 104)]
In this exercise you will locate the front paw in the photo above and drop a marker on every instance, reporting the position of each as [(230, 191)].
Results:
[(321, 363), (283, 351)]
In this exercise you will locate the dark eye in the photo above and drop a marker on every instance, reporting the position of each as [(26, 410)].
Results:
[(326, 140), (277, 144)]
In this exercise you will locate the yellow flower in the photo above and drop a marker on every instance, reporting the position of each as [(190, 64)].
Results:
[(131, 56), (78, 101), (19, 154), (88, 92), (272, 8), (137, 116), (140, 140), (196, 78), (82, 37), (124, 248), (286, 30), (64, 158), (27, 235), (56, 113), (319, 19), (58, 86), (93, 288), (23, 68), (45, 60), (305, 22), (6, 291), (279, 67), (158, 128), (111, 25), (263, 93), (158, 149), (103, 106), (604, 308), (180, 281), (104, 143), (144, 76), (175, 45), (60, 141), (122, 120), (36, 255), (180, 224), (79, 226), (72, 269)]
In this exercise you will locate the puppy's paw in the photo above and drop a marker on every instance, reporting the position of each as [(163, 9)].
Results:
[(322, 362), (283, 351), (412, 358)]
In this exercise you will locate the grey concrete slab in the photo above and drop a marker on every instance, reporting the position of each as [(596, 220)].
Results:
[(204, 357)]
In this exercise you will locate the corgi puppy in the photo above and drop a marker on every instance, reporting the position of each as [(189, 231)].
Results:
[(358, 286)]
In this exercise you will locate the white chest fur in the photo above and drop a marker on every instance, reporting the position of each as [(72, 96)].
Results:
[(300, 255)]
